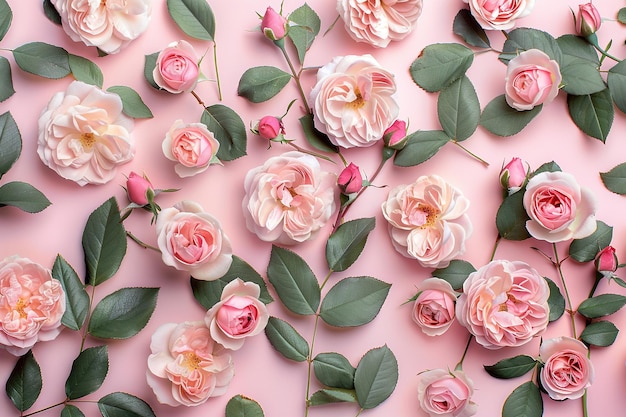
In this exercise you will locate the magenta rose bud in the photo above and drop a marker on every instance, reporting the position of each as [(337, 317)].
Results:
[(606, 261), (273, 25), (350, 180), (395, 135), (270, 127), (588, 20), (139, 189), (513, 175)]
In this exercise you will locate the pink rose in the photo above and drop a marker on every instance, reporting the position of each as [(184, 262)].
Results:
[(513, 175), (588, 20), (238, 315), (567, 371), (353, 101), (433, 310), (192, 240), (32, 304), (379, 22), (395, 135), (606, 261), (428, 221), (139, 188), (176, 68), (504, 303), (443, 393), (499, 14), (289, 198), (192, 145), (83, 134), (269, 127), (273, 25), (532, 78), (187, 367), (350, 180), (559, 209), (109, 25)]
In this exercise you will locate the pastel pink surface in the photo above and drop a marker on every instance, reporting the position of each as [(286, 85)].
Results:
[(261, 373)]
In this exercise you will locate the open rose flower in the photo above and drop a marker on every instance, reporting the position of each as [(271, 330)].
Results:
[(192, 240), (379, 22), (192, 145), (109, 25), (289, 198), (83, 134), (558, 207), (176, 68), (567, 370), (504, 303), (186, 366), (428, 221), (532, 78), (32, 304), (499, 14), (238, 315), (353, 101), (443, 393), (433, 310)]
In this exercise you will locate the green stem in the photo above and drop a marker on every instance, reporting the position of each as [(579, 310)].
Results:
[(571, 311), (315, 154), (296, 77), (217, 72), (44, 409), (141, 243), (330, 271), (593, 40), (309, 360), (495, 247), (473, 155), (86, 324), (595, 285), (359, 413), (584, 404), (459, 365)]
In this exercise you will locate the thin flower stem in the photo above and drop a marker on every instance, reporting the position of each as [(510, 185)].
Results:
[(296, 77), (217, 72), (604, 53), (557, 263), (595, 286), (198, 99), (584, 404), (86, 324), (330, 271), (473, 155), (141, 243), (359, 413), (459, 365), (315, 154), (309, 360), (43, 409), (495, 247)]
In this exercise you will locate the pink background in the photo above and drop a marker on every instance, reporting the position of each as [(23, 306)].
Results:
[(261, 373)]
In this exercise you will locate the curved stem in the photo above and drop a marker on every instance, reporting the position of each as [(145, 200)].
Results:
[(459, 365), (86, 324), (595, 285), (557, 263), (315, 154), (296, 77), (330, 271), (310, 367), (495, 247), (141, 243), (473, 155), (217, 72), (43, 409)]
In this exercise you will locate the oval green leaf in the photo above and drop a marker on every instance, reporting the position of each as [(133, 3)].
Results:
[(70, 410), (440, 64), (455, 273), (331, 396), (77, 299), (466, 26), (601, 305), (228, 129), (24, 384), (334, 370), (6, 79), (420, 147), (621, 15), (345, 245), (354, 301), (10, 142), (240, 406), (375, 377), (524, 401), (148, 68), (133, 105), (194, 17), (51, 12), (286, 340), (85, 70), (503, 120), (587, 248), (259, 84), (581, 77), (615, 179), (600, 333), (6, 16), (316, 138), (304, 27), (42, 59), (458, 109), (121, 404), (616, 80), (511, 367), (573, 46), (523, 39), (556, 302), (592, 113), (88, 372), (23, 196), (511, 218)]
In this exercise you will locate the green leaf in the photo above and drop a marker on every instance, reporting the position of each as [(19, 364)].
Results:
[(6, 16), (23, 196), (455, 273), (546, 167), (194, 17), (587, 248), (121, 404), (259, 84), (240, 406), (51, 12), (616, 79), (469, 30), (228, 129), (556, 302), (354, 301), (503, 120), (88, 372), (24, 384), (420, 147), (85, 70), (581, 77), (331, 396), (440, 64), (104, 242), (621, 15), (592, 113), (600, 333), (42, 59), (615, 179), (10, 142), (316, 138), (522, 39), (306, 28), (524, 401), (375, 377), (334, 370), (148, 68), (511, 218), (294, 282), (511, 367), (77, 299), (345, 245), (6, 80), (601, 305), (286, 340), (458, 109), (133, 104), (573, 46), (123, 314), (70, 410)]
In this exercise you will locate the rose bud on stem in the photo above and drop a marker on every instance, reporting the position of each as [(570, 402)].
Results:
[(350, 180), (514, 175), (588, 20)]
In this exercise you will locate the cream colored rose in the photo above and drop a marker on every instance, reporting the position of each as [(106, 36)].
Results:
[(83, 134), (499, 14), (192, 145)]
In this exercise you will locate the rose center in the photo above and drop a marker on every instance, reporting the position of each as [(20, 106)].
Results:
[(191, 361), (425, 216), (20, 308), (87, 140), (358, 102)]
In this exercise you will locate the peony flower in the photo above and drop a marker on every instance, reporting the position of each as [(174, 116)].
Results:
[(532, 78), (176, 68), (192, 145), (192, 240), (428, 221), (379, 22), (32, 304), (433, 310), (443, 393), (499, 14), (139, 188), (83, 134), (504, 303), (567, 371), (353, 101), (350, 180), (559, 209), (109, 25), (588, 19), (238, 315), (273, 25), (187, 367), (289, 198), (514, 175)]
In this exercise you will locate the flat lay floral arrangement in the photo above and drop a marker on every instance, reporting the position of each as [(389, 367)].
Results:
[(278, 227)]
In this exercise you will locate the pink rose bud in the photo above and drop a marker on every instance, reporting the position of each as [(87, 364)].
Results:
[(588, 20), (606, 261), (139, 189), (395, 135), (513, 175), (350, 180), (273, 25), (270, 127)]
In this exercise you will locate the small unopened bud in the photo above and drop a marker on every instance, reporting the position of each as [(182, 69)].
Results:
[(588, 20), (273, 25), (606, 260), (514, 175), (139, 189), (350, 180), (395, 135)]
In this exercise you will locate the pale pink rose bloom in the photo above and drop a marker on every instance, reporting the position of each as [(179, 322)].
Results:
[(499, 14), (289, 198), (353, 101), (504, 303), (379, 22), (32, 304), (567, 370), (559, 208), (532, 78), (433, 309), (109, 25), (192, 240), (238, 315), (192, 145), (176, 68), (83, 134), (444, 393), (186, 366), (428, 221)]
